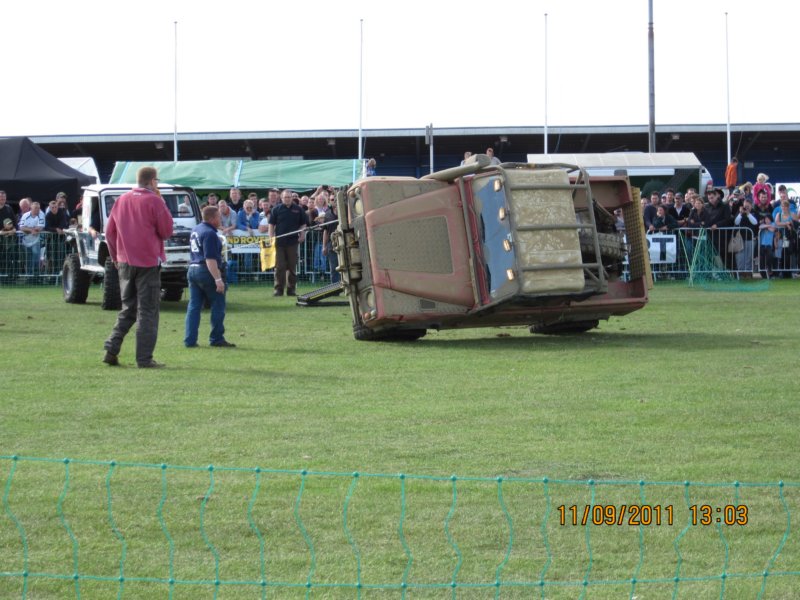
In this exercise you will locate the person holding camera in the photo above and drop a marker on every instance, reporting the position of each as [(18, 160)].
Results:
[(746, 218)]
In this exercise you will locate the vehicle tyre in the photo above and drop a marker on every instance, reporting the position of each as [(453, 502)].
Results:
[(75, 281), (365, 334), (172, 293), (611, 245), (112, 299), (568, 328)]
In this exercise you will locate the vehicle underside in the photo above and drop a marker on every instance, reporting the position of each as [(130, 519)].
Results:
[(485, 246)]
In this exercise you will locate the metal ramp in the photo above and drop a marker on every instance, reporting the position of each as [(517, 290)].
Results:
[(313, 298)]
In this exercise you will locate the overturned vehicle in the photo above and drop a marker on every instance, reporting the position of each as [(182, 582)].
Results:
[(486, 245)]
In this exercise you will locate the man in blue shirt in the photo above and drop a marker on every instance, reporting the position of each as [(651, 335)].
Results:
[(205, 281)]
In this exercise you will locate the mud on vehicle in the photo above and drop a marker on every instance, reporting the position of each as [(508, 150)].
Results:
[(89, 259), (484, 246)]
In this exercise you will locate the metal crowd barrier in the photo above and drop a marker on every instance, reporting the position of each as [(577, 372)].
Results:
[(673, 259), (244, 265), (26, 265), (24, 261)]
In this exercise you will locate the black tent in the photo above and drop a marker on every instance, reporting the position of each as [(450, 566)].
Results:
[(27, 170)]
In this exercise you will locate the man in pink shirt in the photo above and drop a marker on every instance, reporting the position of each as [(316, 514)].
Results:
[(137, 227)]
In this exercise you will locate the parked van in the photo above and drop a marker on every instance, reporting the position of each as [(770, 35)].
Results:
[(677, 170)]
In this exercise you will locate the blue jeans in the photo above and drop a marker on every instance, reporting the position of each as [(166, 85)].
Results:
[(202, 287), (33, 256)]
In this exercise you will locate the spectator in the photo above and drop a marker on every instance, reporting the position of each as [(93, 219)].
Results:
[(371, 167), (766, 239), (664, 222), (466, 156), (32, 224), (185, 207), (288, 222), (746, 218), (61, 200), (680, 211), (747, 190), (6, 212), (329, 227), (762, 204), (719, 215), (55, 222), (316, 218), (650, 211), (235, 202), (786, 223), (24, 207), (137, 227), (668, 198), (783, 195), (8, 248), (732, 174), (619, 221), (263, 210), (698, 219), (247, 221), (212, 199), (273, 198), (761, 184), (493, 160), (227, 218), (246, 226)]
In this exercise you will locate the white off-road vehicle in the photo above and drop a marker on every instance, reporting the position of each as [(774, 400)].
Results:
[(90, 260)]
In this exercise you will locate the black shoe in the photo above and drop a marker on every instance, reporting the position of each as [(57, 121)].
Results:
[(290, 293), (191, 345), (278, 293), (152, 365), (223, 344), (111, 359)]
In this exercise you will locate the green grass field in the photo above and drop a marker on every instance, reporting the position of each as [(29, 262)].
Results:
[(698, 387)]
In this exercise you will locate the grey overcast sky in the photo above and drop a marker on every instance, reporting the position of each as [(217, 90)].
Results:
[(106, 66)]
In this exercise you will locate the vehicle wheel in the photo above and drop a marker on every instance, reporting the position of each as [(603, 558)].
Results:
[(365, 334), (611, 245), (112, 299), (75, 281), (172, 293), (569, 328)]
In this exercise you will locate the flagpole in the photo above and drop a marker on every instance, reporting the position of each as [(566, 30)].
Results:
[(175, 107), (728, 89), (545, 83), (361, 95)]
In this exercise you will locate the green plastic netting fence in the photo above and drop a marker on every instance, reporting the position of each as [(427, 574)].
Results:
[(705, 256), (106, 529)]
